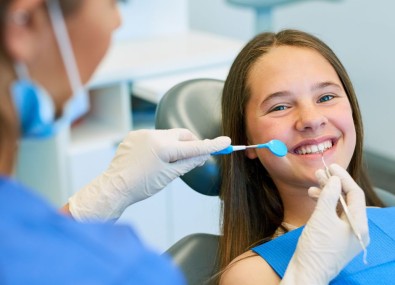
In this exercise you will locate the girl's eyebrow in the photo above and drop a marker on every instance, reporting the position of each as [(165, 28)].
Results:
[(278, 94), (322, 85), (315, 87)]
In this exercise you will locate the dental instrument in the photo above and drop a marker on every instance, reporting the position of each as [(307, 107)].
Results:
[(346, 211), (277, 147)]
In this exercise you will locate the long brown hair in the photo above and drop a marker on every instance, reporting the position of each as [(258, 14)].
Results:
[(251, 206), (8, 121), (9, 124)]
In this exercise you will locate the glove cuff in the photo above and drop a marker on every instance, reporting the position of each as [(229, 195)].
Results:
[(92, 203)]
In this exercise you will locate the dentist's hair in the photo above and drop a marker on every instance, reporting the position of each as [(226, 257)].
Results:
[(251, 206)]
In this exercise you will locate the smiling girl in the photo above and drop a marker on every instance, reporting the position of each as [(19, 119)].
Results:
[(288, 86)]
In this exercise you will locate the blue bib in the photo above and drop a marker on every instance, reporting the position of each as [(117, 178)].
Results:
[(381, 252)]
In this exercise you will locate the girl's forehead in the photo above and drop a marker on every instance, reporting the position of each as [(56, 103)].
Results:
[(288, 64), (281, 57)]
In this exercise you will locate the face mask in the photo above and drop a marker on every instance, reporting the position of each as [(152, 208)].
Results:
[(37, 111), (34, 105)]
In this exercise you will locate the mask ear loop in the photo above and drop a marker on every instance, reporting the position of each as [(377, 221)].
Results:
[(64, 43), (21, 71), (79, 102)]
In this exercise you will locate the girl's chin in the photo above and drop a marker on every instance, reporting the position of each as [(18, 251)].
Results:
[(309, 181), (300, 182)]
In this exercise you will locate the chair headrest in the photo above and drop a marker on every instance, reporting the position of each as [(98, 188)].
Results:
[(195, 105)]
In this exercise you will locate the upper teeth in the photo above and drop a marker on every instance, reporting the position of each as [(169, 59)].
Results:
[(315, 148)]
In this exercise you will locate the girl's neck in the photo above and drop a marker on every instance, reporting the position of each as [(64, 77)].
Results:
[(298, 206)]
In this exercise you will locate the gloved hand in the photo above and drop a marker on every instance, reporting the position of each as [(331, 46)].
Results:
[(327, 242), (145, 162)]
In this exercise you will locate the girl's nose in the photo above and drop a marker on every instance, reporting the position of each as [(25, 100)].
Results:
[(310, 119)]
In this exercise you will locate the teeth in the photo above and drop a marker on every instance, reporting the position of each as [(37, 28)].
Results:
[(315, 148)]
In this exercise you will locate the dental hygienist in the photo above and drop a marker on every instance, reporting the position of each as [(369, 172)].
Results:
[(48, 50)]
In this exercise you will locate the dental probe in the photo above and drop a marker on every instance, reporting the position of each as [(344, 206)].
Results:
[(277, 147), (347, 212)]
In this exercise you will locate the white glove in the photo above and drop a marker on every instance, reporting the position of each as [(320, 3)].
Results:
[(144, 163), (327, 242)]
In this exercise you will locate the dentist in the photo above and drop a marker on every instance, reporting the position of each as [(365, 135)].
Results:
[(48, 50)]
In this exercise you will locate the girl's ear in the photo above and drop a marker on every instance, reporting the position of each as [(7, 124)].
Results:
[(23, 27), (251, 153)]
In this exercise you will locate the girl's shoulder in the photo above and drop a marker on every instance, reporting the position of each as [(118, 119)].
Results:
[(249, 269)]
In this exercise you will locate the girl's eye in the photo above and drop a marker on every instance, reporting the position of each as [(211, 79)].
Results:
[(325, 98), (279, 108)]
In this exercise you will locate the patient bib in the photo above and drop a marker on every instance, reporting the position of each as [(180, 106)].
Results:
[(380, 256)]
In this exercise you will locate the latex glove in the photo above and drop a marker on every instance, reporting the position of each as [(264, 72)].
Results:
[(144, 163), (327, 242)]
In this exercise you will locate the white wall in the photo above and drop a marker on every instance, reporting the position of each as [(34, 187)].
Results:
[(149, 18), (219, 17), (361, 32)]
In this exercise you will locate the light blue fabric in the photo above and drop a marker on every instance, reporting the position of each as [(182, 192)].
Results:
[(36, 109), (381, 252), (40, 246)]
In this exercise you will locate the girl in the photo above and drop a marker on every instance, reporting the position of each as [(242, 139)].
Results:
[(288, 86)]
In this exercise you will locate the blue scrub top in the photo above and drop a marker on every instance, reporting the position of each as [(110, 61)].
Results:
[(40, 246)]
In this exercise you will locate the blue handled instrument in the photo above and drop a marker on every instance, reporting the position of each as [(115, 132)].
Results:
[(277, 147)]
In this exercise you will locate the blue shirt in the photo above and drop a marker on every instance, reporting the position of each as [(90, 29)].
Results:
[(40, 246), (380, 256)]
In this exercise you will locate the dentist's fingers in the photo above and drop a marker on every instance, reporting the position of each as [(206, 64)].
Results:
[(330, 194), (314, 192), (348, 182), (322, 177)]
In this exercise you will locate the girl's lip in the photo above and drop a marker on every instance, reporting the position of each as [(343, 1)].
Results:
[(316, 141)]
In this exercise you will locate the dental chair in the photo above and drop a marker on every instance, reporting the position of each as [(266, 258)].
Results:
[(196, 105)]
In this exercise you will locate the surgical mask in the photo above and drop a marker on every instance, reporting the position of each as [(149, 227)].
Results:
[(37, 112), (34, 105)]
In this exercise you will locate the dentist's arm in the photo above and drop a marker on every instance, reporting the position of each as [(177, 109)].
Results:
[(145, 162), (327, 242)]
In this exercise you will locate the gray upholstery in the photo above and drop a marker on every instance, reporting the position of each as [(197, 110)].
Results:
[(195, 104), (196, 256), (386, 197)]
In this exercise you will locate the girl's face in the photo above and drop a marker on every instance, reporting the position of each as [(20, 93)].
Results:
[(297, 97)]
